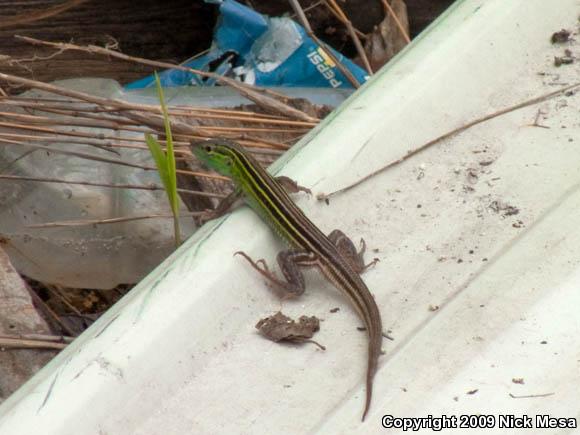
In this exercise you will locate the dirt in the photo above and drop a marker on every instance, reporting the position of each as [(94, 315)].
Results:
[(560, 37)]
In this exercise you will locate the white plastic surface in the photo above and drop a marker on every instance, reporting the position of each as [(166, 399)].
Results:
[(478, 282)]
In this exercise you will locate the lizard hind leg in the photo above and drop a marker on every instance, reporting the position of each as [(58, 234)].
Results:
[(290, 262), (348, 251), (292, 186)]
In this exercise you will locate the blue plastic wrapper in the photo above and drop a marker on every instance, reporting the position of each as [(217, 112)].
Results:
[(261, 51)]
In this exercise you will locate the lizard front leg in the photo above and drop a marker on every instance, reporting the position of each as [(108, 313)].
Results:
[(290, 262), (222, 208)]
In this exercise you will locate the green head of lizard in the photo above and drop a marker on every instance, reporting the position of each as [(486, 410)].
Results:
[(217, 154)]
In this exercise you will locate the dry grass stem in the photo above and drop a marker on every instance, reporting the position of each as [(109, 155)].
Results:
[(267, 102), (108, 185), (353, 35), (21, 343), (397, 21), (84, 222), (340, 16), (541, 98), (304, 21)]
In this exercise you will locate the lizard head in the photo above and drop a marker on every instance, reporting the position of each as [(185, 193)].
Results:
[(218, 154)]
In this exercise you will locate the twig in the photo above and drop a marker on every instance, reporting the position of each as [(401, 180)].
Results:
[(304, 21), (530, 396), (131, 111), (339, 18), (397, 21), (201, 110), (351, 30), (21, 343), (541, 98), (79, 121), (49, 313), (56, 292), (78, 154), (106, 103), (254, 129), (105, 160), (316, 343), (86, 141), (141, 113), (44, 337), (104, 141), (244, 89), (110, 186), (31, 144), (27, 140), (79, 223), (39, 15), (86, 110), (58, 137), (301, 16)]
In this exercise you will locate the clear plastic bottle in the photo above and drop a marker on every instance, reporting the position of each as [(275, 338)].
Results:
[(105, 255)]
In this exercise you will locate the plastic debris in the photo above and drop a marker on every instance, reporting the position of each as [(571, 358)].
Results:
[(262, 51), (100, 256)]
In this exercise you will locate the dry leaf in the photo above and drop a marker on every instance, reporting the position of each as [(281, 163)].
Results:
[(280, 327)]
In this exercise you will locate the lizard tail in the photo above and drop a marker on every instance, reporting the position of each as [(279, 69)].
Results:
[(375, 341)]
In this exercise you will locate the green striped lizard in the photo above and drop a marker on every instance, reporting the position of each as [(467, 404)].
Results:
[(335, 256)]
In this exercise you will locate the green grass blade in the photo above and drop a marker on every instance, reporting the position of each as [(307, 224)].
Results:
[(165, 162), (160, 159), (171, 170)]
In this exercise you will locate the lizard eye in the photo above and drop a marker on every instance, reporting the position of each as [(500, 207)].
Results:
[(208, 148)]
